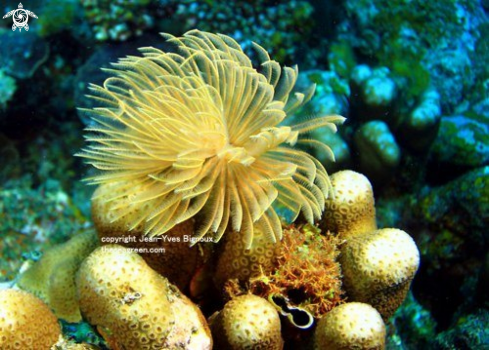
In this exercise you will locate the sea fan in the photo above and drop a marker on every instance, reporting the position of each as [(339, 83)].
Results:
[(198, 131)]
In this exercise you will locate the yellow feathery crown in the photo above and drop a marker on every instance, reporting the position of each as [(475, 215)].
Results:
[(199, 132)]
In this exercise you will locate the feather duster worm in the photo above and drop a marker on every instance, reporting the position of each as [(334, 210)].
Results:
[(199, 131)]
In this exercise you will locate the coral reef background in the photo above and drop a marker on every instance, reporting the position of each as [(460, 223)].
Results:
[(410, 76)]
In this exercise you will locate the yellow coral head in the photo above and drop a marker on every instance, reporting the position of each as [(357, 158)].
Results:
[(198, 132)]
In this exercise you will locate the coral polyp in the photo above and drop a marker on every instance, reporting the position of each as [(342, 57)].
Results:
[(199, 131)]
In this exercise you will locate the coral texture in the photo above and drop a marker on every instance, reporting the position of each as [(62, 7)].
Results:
[(237, 261), (7, 89), (274, 22), (377, 265), (180, 131), (52, 278), (34, 218), (26, 323), (462, 141), (378, 268), (247, 322), (379, 153), (135, 307), (351, 208), (351, 326), (117, 21)]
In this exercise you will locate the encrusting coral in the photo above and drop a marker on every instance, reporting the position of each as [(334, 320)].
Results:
[(52, 278), (247, 322), (26, 323), (134, 306), (350, 326), (180, 131)]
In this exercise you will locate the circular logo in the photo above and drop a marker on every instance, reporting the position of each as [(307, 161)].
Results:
[(20, 17)]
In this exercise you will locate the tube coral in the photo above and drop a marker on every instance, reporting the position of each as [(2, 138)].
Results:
[(198, 130)]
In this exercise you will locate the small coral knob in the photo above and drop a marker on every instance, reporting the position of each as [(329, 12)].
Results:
[(378, 268), (350, 326)]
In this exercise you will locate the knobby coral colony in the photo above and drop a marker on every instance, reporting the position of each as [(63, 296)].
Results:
[(196, 133)]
